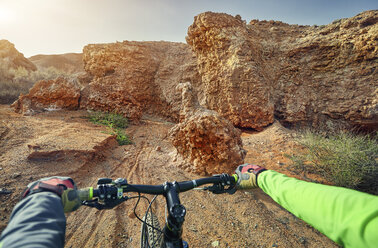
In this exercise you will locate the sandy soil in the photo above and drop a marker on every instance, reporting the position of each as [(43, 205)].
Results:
[(28, 151)]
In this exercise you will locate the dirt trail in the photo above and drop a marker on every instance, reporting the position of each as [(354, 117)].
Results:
[(245, 219)]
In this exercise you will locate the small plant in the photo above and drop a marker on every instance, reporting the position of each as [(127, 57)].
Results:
[(115, 123), (122, 137), (345, 159), (109, 119)]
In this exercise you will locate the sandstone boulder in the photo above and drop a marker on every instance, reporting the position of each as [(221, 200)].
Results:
[(49, 95), (229, 61), (209, 142), (137, 77)]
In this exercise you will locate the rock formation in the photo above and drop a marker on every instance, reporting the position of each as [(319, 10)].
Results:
[(49, 95), (328, 74), (137, 77), (229, 61), (324, 77), (209, 142), (317, 76), (13, 58), (59, 145)]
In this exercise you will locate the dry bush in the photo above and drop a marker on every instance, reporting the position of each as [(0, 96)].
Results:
[(345, 159), (14, 82)]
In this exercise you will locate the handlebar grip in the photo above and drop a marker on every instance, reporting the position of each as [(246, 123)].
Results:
[(85, 194), (235, 176)]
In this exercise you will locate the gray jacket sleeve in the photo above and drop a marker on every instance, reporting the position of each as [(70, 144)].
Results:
[(36, 221)]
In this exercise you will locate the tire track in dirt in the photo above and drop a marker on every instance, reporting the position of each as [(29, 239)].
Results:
[(123, 234), (79, 221), (4, 130), (131, 173), (86, 233), (135, 174)]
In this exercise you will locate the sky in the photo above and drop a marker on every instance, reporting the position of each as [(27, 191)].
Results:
[(63, 26)]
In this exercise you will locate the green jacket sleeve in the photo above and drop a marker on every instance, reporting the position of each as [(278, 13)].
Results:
[(348, 217)]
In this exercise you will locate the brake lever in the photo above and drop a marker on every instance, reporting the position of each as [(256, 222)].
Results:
[(106, 205), (219, 189)]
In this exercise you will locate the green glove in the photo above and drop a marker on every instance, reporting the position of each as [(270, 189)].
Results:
[(247, 176), (63, 186), (70, 200)]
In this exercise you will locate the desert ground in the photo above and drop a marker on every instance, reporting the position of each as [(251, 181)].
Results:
[(66, 143)]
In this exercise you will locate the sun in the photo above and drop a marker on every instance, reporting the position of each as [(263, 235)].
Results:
[(6, 15)]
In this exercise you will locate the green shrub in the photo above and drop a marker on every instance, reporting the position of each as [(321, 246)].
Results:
[(345, 159), (112, 120), (121, 136), (116, 124)]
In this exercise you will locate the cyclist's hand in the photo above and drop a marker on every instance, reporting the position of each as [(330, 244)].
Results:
[(63, 186), (247, 176)]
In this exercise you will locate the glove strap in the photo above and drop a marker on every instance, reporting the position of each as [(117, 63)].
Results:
[(251, 168), (43, 187)]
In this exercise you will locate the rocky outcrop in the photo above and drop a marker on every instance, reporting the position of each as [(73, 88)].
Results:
[(324, 76), (209, 142), (137, 77), (328, 76), (13, 58), (318, 76), (62, 144), (49, 95), (229, 61)]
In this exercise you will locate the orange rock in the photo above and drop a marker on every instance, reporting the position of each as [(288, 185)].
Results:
[(133, 78), (209, 142), (49, 95), (230, 63), (324, 76)]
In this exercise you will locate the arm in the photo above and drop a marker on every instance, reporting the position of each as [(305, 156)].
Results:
[(36, 221), (346, 216)]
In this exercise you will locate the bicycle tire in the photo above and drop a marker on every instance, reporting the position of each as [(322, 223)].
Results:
[(150, 237)]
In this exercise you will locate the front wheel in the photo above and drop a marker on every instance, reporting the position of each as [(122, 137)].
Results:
[(151, 235)]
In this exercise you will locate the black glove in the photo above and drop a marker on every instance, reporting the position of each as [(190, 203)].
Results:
[(63, 186)]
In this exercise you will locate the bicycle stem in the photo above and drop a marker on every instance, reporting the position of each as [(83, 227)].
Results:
[(176, 216)]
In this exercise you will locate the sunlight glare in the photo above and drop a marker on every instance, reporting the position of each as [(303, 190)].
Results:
[(6, 15)]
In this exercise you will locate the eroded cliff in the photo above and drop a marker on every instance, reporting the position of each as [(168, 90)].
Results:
[(317, 76), (137, 77), (249, 73)]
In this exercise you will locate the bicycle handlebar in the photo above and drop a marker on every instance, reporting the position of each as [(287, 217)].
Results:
[(107, 188), (110, 193)]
